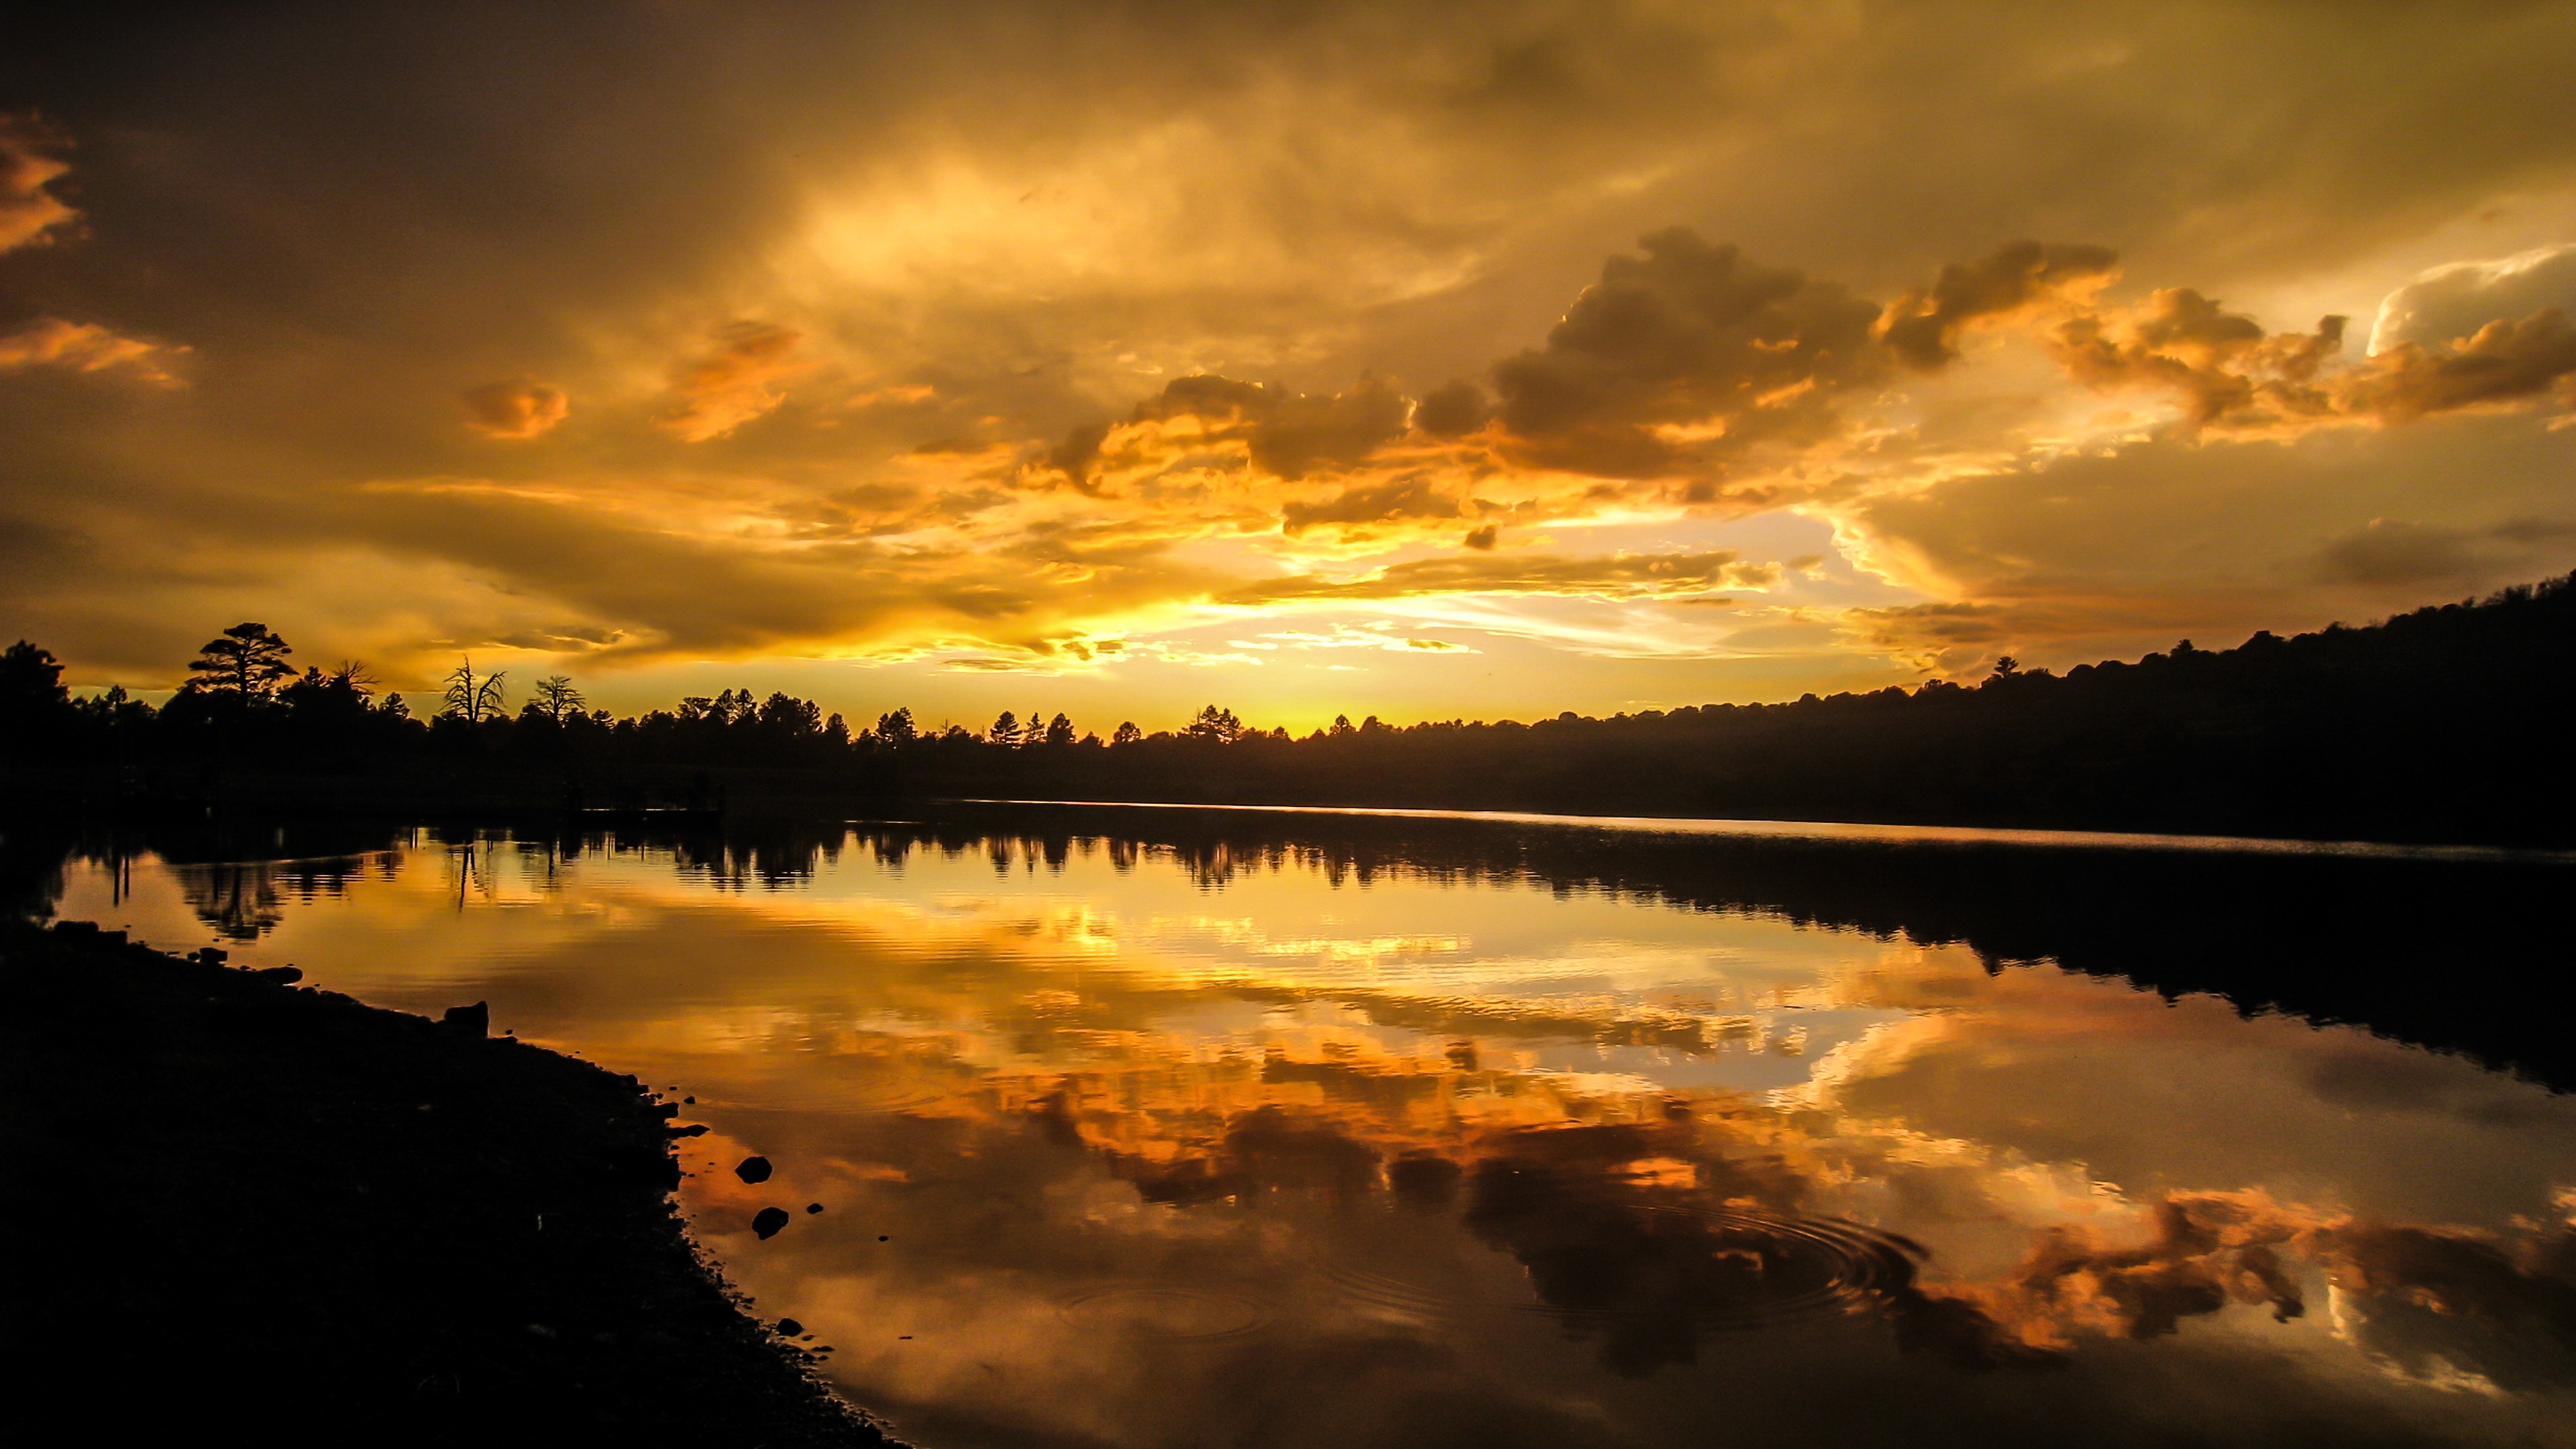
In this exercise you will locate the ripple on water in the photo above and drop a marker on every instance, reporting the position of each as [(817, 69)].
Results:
[(1723, 1268), (1166, 1311)]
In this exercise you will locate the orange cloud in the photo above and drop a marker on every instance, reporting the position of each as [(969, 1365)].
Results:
[(515, 409), (2504, 362), (1923, 326), (1689, 336), (1622, 576), (27, 209), (2229, 373), (736, 383), (86, 347)]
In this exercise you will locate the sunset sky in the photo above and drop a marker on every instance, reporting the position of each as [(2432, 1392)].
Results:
[(1420, 360)]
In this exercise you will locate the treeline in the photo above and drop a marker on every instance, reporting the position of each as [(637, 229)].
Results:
[(2448, 723), (246, 706)]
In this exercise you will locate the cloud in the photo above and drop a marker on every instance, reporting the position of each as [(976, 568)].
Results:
[(2503, 362), (1452, 410), (515, 410), (1347, 636), (1284, 434), (2230, 374), (2388, 552), (1923, 326), (86, 347), (2080, 556), (1408, 496), (2206, 1250), (1690, 337), (28, 208), (2222, 365), (1623, 576), (734, 384), (1303, 434), (2452, 301)]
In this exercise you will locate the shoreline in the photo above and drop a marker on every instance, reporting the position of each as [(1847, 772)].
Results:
[(240, 1201)]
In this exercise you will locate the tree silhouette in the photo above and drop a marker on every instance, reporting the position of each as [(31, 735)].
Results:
[(1126, 733), (1059, 731), (32, 697), (475, 699), (557, 699), (246, 661), (898, 728), (1216, 724), (1005, 731), (30, 678)]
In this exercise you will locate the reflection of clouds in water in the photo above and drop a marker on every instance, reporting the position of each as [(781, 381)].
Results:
[(1401, 1125), (1643, 1235), (2189, 1096)]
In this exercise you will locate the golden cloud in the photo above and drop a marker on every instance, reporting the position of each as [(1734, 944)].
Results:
[(87, 347), (1923, 326), (734, 384), (515, 410), (2222, 365), (28, 209), (2505, 362), (1620, 576), (2230, 374), (2449, 302), (1689, 336)]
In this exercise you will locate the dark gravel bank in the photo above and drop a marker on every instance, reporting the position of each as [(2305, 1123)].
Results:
[(241, 1207)]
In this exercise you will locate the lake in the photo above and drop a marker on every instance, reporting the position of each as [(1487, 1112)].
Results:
[(1139, 1127)]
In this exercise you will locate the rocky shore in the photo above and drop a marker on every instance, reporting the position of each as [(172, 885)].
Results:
[(240, 1205)]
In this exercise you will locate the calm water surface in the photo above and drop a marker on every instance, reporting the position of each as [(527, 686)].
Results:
[(1121, 1141)]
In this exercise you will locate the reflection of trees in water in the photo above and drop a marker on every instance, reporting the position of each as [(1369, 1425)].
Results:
[(239, 901), (2431, 952), (2427, 950), (238, 876), (244, 900), (770, 860), (32, 853), (2407, 947)]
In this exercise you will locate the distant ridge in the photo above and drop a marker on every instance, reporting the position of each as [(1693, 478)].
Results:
[(2445, 725)]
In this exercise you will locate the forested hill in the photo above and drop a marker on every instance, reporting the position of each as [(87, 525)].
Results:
[(2446, 724)]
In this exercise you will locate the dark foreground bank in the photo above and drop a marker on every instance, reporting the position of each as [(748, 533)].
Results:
[(240, 1206)]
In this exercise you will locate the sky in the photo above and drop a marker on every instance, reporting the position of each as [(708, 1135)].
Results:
[(1413, 359)]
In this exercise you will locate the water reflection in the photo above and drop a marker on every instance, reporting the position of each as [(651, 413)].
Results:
[(1329, 1133)]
